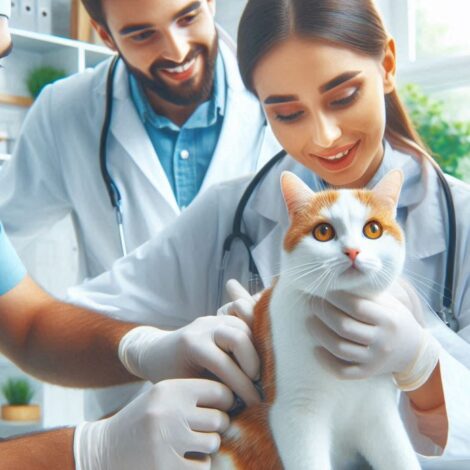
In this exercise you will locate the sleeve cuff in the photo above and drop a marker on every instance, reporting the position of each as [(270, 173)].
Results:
[(12, 270)]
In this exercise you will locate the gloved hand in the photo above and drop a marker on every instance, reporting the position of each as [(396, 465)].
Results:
[(361, 338), (242, 304), (221, 345), (157, 429)]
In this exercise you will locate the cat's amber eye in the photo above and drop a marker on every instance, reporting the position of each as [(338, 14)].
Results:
[(324, 232), (373, 230)]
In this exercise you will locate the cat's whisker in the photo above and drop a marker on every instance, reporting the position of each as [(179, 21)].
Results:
[(423, 283), (426, 279), (322, 264), (311, 269)]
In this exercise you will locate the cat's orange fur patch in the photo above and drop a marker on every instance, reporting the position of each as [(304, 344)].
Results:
[(305, 220), (256, 443), (381, 214)]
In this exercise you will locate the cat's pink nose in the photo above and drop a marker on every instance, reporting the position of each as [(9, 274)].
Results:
[(351, 253)]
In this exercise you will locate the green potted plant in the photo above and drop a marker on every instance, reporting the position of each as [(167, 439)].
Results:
[(18, 393), (39, 77), (448, 138)]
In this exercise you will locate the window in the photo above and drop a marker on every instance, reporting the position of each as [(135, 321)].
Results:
[(441, 28), (433, 44)]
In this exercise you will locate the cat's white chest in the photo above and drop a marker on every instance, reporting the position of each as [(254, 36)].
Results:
[(313, 410)]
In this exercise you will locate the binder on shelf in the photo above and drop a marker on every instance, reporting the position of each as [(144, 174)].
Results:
[(43, 16), (28, 14), (15, 14)]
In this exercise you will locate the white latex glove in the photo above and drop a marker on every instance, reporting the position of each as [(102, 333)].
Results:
[(220, 345), (361, 337), (242, 304), (157, 429)]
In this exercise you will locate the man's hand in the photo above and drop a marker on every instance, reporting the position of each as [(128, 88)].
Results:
[(158, 429), (242, 304), (220, 345)]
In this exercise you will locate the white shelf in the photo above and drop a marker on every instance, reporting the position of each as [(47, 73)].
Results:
[(14, 428), (40, 43), (19, 424), (32, 50)]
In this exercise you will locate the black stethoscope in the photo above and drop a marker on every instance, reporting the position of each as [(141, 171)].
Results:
[(255, 284), (446, 313), (111, 187)]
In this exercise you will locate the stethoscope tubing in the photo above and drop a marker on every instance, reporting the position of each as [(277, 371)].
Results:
[(112, 189)]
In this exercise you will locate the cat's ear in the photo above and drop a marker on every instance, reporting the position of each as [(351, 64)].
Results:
[(296, 193), (388, 189)]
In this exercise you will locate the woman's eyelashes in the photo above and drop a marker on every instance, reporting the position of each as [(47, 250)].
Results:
[(347, 98)]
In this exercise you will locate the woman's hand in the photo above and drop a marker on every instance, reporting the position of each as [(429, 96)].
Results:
[(360, 338)]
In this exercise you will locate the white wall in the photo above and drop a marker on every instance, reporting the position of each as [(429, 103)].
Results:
[(228, 13)]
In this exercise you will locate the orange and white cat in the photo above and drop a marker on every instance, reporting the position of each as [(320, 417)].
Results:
[(309, 419)]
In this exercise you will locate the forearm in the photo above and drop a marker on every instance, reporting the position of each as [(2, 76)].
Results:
[(76, 348), (431, 394), (428, 405), (60, 343), (51, 450)]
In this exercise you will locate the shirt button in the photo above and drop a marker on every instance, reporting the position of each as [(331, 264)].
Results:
[(184, 154)]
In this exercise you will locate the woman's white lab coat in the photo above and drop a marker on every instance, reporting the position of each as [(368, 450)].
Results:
[(173, 278)]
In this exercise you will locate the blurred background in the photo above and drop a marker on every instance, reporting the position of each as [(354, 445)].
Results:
[(53, 39)]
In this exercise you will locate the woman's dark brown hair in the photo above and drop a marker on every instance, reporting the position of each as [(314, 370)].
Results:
[(353, 24)]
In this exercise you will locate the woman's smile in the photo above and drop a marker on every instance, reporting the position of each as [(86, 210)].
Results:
[(339, 158)]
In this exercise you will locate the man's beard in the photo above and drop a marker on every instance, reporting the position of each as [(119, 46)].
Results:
[(188, 93)]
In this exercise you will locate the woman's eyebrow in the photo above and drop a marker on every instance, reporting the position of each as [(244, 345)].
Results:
[(340, 79), (337, 81)]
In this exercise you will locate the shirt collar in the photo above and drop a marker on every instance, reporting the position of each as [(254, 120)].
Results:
[(205, 115), (413, 189)]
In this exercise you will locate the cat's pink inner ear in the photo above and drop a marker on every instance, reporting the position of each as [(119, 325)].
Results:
[(296, 193), (389, 187)]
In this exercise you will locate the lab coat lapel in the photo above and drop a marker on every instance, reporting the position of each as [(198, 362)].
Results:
[(426, 224), (129, 131), (241, 137), (268, 204)]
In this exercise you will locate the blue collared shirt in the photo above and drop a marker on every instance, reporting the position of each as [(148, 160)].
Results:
[(185, 152)]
